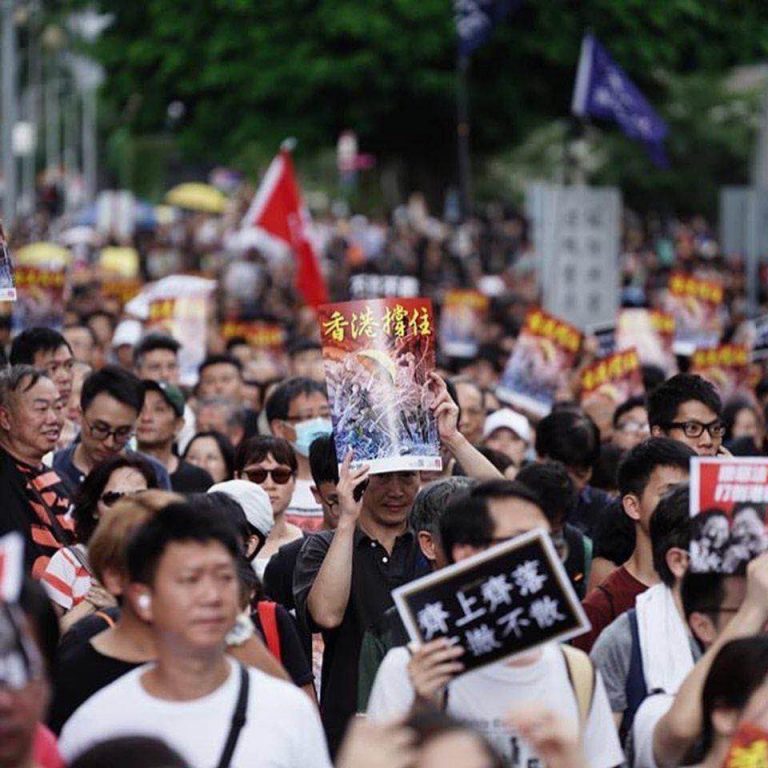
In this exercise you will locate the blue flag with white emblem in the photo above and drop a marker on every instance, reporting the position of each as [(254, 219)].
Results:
[(604, 90), (476, 19)]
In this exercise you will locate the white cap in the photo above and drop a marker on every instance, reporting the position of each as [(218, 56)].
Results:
[(127, 332), (506, 418), (254, 501)]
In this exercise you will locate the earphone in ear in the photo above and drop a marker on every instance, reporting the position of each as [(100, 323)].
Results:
[(144, 602)]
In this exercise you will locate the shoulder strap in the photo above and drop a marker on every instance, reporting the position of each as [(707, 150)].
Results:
[(268, 617), (581, 673), (108, 620), (635, 688), (238, 720)]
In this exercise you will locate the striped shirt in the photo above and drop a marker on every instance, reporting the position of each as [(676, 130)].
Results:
[(65, 578)]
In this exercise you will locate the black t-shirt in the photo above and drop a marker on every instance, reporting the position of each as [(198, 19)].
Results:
[(190, 479), (82, 631), (80, 672), (292, 654)]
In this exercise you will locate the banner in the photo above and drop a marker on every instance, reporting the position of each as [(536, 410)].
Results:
[(378, 355), (617, 377), (372, 286), (461, 322), (268, 338), (729, 497), (496, 604), (695, 303), (651, 333), (726, 366), (544, 353)]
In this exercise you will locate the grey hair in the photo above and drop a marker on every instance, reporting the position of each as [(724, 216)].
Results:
[(15, 378), (432, 500)]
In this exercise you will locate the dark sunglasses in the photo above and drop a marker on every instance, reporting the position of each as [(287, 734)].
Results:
[(280, 475), (110, 498)]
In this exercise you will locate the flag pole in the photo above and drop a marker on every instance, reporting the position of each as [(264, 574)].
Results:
[(462, 135)]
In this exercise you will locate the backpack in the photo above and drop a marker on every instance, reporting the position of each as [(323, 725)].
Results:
[(581, 675), (268, 619), (635, 688)]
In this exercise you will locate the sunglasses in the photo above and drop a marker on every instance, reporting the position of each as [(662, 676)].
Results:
[(279, 475), (110, 498)]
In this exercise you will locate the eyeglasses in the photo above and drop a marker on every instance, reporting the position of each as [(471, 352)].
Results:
[(695, 429), (307, 417), (110, 498), (634, 427), (102, 432), (280, 475)]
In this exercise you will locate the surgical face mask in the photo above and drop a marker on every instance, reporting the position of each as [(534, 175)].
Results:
[(308, 431)]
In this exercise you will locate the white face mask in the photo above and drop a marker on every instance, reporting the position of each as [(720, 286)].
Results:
[(308, 431)]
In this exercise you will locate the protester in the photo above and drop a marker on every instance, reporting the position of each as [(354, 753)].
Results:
[(509, 432), (220, 376), (35, 500), (648, 471), (212, 452), (182, 566), (753, 443), (68, 576), (81, 341), (471, 408), (216, 414), (160, 423), (630, 423)]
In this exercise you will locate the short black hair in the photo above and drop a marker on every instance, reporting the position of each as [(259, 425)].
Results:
[(153, 341), (279, 403), (702, 593), (665, 401), (639, 464), (179, 522), (466, 520), (220, 360), (652, 376), (299, 346), (38, 339), (225, 448), (258, 447), (605, 474), (638, 401), (432, 500), (506, 489), (323, 462), (122, 385), (613, 534), (731, 410), (128, 752), (550, 481), (218, 502), (570, 437), (670, 527)]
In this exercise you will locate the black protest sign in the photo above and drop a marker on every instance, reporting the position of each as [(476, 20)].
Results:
[(496, 604), (373, 286)]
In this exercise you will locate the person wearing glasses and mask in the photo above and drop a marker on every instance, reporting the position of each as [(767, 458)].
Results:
[(298, 411), (688, 409), (110, 403), (68, 577), (271, 463)]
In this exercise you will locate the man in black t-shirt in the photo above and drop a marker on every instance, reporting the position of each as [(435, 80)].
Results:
[(160, 421)]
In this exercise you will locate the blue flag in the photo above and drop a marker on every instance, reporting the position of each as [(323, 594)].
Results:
[(604, 90), (475, 20)]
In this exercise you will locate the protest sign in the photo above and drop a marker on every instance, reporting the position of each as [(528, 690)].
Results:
[(498, 603), (378, 355), (39, 295), (651, 333), (373, 286), (754, 335), (265, 337), (617, 377), (729, 497), (7, 283), (695, 303), (461, 322), (725, 366), (545, 351), (605, 333)]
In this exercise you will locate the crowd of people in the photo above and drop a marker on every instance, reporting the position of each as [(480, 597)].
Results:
[(208, 583)]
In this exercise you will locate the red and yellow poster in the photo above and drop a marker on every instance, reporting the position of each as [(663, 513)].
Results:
[(651, 333), (378, 355), (695, 303), (545, 351), (617, 377), (726, 366), (461, 322)]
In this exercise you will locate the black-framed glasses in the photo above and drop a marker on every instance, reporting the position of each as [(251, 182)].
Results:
[(695, 429), (307, 417), (102, 432), (280, 475)]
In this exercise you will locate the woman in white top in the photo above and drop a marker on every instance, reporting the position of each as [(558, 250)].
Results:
[(68, 579), (271, 463)]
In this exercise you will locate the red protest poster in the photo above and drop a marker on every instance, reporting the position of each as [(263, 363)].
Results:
[(695, 303), (729, 497), (545, 351), (726, 366), (651, 333), (461, 322), (617, 377), (378, 355)]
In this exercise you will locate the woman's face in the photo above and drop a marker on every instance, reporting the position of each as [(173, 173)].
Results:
[(279, 493), (204, 453), (745, 424), (122, 482)]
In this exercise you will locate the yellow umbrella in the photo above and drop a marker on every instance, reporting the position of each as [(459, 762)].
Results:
[(36, 254), (196, 196), (121, 261)]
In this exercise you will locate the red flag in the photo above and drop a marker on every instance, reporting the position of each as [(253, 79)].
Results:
[(278, 209)]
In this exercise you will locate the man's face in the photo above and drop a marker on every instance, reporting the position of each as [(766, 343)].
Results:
[(695, 412), (220, 380), (105, 414), (58, 365), (195, 595), (35, 418), (509, 443), (389, 497), (81, 341), (662, 479), (159, 365), (631, 428), (327, 496), (158, 423), (707, 626), (304, 408), (212, 417), (472, 412)]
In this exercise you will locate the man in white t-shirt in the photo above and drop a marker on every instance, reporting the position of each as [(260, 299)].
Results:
[(493, 512), (182, 565)]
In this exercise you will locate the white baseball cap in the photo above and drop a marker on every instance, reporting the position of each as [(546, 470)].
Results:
[(254, 501), (506, 418), (127, 332)]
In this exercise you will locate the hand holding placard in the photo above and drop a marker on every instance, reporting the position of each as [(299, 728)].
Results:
[(350, 503)]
